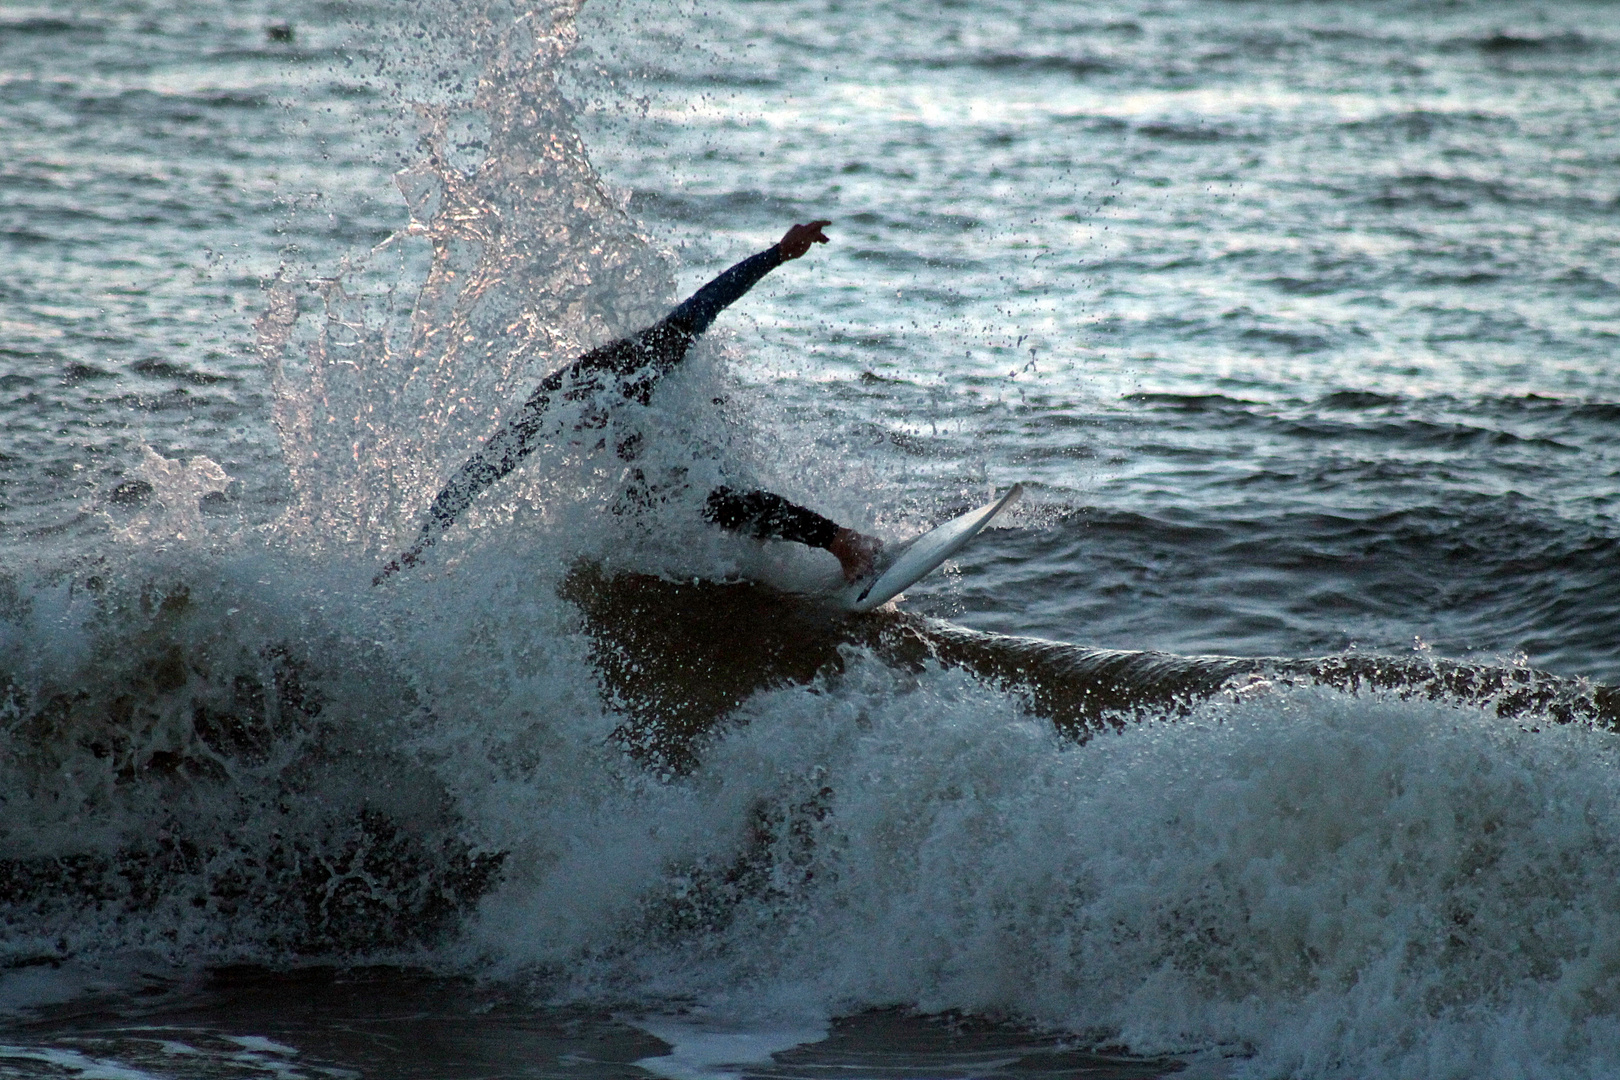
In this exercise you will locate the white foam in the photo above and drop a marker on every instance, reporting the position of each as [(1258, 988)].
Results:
[(73, 1063), (1361, 884), (700, 1051)]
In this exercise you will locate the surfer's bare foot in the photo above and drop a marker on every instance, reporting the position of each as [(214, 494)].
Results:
[(798, 239), (855, 552)]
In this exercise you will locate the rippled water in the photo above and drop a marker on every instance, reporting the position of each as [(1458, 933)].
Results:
[(1295, 319), (1300, 314)]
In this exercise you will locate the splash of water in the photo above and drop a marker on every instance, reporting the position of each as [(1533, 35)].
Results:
[(531, 259)]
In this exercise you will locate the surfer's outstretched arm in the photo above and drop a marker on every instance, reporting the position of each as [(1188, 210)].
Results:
[(698, 311), (656, 351), (640, 360)]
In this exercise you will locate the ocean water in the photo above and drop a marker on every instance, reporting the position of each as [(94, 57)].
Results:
[(1271, 735)]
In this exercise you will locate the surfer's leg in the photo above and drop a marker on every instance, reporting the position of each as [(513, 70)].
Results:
[(508, 446), (765, 515)]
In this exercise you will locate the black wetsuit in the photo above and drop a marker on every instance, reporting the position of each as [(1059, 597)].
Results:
[(632, 367)]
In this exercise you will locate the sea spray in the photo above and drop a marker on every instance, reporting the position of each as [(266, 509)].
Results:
[(531, 259)]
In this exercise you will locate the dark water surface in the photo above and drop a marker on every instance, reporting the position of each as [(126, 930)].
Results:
[(325, 1023), (1271, 735)]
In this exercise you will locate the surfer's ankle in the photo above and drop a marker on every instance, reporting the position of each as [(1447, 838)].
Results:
[(855, 552)]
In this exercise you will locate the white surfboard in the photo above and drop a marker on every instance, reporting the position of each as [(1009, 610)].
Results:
[(901, 567)]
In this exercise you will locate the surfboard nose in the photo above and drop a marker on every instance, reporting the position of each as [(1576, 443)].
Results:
[(920, 556)]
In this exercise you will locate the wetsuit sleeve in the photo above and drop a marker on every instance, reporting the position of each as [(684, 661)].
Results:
[(698, 311), (767, 516), (656, 351)]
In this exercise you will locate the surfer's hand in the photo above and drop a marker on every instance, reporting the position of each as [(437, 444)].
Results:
[(798, 239), (855, 552)]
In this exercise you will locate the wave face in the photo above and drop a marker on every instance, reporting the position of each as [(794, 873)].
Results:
[(1239, 855), (278, 278)]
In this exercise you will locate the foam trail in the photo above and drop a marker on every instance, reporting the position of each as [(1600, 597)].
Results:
[(702, 1052), (74, 1063)]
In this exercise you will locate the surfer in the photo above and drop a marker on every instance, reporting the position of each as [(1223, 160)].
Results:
[(632, 367)]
